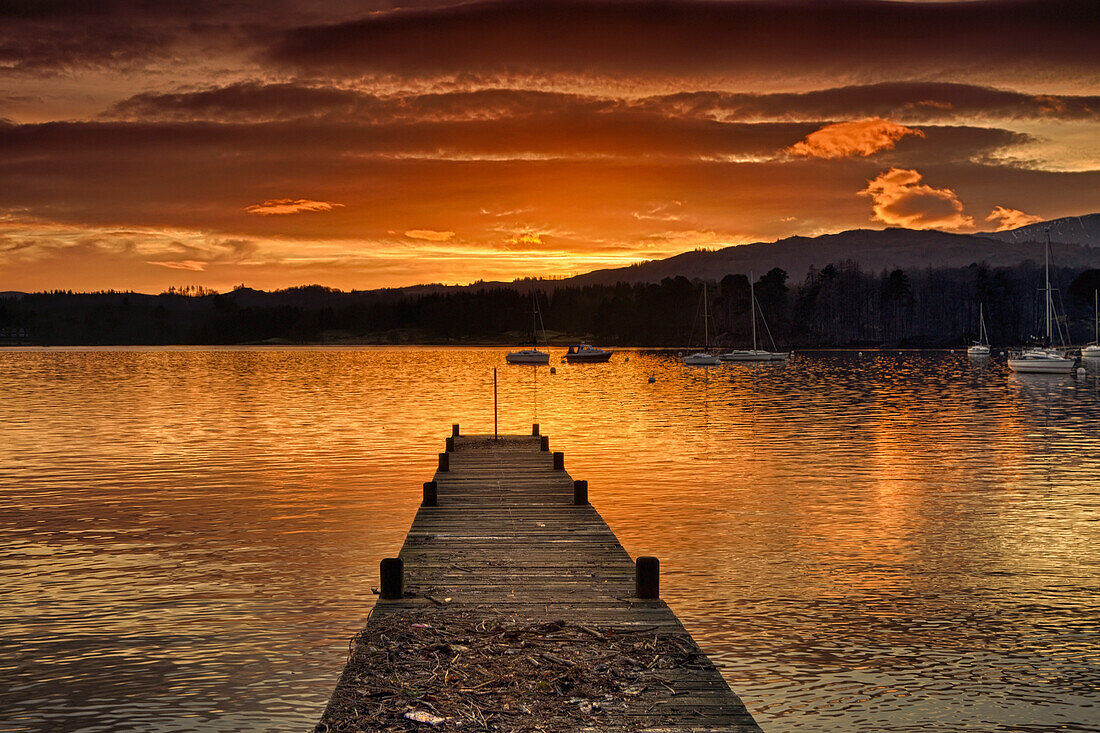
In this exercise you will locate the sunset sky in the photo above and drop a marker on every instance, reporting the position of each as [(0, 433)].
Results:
[(365, 144)]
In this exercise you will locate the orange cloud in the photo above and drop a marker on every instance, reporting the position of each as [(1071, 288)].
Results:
[(1006, 218), (900, 199), (290, 206), (851, 139), (526, 238), (191, 265), (429, 235)]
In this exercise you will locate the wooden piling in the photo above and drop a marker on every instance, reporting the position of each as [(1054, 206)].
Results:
[(431, 495), (450, 444), (392, 572), (444, 462), (454, 430), (559, 461), (647, 577), (580, 492), (534, 429), (544, 442)]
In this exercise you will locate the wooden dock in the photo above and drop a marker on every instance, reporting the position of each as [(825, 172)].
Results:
[(515, 608)]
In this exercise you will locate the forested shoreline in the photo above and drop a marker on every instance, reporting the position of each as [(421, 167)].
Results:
[(835, 306)]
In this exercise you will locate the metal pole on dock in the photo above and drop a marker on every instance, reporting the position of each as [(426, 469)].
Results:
[(495, 437)]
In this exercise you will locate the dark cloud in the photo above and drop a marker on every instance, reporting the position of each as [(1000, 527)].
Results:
[(47, 36), (900, 101), (623, 133), (259, 102), (852, 37), (905, 101)]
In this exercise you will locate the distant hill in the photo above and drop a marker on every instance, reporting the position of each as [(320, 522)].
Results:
[(874, 250), (1070, 229)]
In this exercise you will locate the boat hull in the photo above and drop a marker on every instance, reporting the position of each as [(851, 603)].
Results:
[(1042, 366), (978, 351), (1090, 352), (528, 357), (702, 360), (754, 355), (587, 358)]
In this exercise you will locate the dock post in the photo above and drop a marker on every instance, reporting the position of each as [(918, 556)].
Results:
[(431, 494), (647, 577), (444, 462), (559, 461), (392, 570), (580, 492), (496, 436), (450, 444), (454, 430), (544, 442), (534, 429)]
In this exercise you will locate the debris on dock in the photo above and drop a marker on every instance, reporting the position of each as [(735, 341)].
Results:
[(470, 671)]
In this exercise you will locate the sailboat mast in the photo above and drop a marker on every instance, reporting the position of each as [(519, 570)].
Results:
[(752, 308), (706, 332), (1046, 290)]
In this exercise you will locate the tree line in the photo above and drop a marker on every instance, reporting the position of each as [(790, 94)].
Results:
[(836, 306)]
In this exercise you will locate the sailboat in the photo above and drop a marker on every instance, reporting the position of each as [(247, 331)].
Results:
[(1092, 351), (531, 356), (1043, 359), (981, 348), (755, 354), (704, 357)]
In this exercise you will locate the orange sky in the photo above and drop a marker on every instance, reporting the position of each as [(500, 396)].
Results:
[(356, 145)]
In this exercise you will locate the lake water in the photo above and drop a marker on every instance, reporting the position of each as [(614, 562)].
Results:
[(892, 542)]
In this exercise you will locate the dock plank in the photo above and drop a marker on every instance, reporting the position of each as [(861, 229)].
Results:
[(506, 552)]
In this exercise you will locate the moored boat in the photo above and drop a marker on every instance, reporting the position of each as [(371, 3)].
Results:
[(532, 355), (1044, 359), (1092, 351), (704, 357), (1041, 360), (528, 356), (981, 346), (586, 354), (755, 354)]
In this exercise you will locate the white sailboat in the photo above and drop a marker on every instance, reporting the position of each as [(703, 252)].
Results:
[(1043, 359), (755, 354), (981, 348), (1092, 351), (531, 356), (704, 357)]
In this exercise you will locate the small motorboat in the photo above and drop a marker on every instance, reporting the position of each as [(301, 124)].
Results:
[(585, 354), (528, 356)]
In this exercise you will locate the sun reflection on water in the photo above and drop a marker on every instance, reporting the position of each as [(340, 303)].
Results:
[(886, 542)]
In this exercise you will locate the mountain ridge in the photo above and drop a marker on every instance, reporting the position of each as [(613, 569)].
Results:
[(873, 250)]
